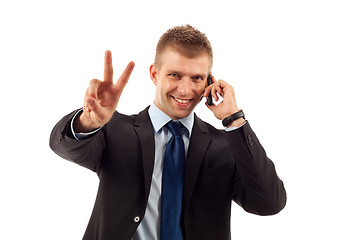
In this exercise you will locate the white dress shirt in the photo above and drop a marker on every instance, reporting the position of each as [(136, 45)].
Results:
[(149, 227)]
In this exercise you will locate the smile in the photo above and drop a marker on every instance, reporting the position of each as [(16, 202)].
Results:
[(181, 101)]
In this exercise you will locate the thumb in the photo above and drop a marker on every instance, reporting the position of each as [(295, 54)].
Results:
[(95, 113), (211, 107), (91, 105)]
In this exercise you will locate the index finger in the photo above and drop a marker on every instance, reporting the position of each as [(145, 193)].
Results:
[(108, 68), (209, 87), (213, 79)]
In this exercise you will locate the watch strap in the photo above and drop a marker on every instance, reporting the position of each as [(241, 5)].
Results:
[(228, 120)]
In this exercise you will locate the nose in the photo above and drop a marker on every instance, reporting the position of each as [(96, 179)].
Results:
[(184, 86)]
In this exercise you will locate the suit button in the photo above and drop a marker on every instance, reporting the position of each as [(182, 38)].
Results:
[(250, 140), (136, 219)]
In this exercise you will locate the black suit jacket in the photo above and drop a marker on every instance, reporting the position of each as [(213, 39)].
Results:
[(220, 167)]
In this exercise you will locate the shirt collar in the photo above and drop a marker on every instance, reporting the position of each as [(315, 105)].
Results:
[(160, 119)]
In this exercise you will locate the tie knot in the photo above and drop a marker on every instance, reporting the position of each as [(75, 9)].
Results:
[(175, 128)]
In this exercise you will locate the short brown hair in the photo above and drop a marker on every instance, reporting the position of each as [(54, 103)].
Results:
[(185, 40)]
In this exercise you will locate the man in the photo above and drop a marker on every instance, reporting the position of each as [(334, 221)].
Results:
[(130, 153)]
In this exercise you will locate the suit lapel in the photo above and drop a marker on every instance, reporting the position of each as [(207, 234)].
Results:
[(145, 132), (198, 145)]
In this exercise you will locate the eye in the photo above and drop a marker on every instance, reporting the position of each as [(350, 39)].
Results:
[(173, 75), (197, 78)]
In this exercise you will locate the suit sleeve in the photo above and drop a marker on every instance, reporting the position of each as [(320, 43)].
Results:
[(257, 188), (86, 152)]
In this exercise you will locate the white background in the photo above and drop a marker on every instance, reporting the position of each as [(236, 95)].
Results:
[(294, 65)]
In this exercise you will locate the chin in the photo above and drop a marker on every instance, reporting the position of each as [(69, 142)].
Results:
[(181, 114)]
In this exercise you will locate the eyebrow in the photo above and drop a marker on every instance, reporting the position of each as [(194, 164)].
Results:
[(192, 75)]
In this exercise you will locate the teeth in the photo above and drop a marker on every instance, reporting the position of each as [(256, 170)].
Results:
[(181, 100)]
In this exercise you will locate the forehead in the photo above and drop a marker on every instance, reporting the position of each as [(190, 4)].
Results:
[(174, 61)]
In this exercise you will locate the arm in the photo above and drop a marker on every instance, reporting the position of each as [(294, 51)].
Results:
[(86, 152), (100, 101), (257, 187)]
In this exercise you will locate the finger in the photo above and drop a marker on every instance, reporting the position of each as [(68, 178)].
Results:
[(92, 90), (123, 79), (219, 94), (108, 68), (219, 90), (213, 79), (226, 89), (208, 88), (211, 107), (207, 91), (214, 90), (90, 104)]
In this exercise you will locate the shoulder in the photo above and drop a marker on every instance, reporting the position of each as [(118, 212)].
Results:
[(126, 121), (122, 118), (206, 127)]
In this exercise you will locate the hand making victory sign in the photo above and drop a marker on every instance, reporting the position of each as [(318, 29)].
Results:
[(102, 97)]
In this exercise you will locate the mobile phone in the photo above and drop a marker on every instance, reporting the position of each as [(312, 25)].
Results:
[(209, 100)]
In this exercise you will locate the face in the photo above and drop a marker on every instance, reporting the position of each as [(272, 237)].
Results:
[(180, 82)]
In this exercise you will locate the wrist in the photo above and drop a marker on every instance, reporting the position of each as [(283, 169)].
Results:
[(234, 120), (237, 123)]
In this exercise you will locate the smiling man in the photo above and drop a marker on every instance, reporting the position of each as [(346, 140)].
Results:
[(164, 173), (180, 82)]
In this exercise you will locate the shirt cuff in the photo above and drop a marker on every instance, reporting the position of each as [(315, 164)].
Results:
[(234, 128), (79, 136)]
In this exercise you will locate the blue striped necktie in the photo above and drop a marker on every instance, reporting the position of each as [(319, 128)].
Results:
[(173, 185)]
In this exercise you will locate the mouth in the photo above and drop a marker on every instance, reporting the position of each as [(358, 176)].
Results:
[(181, 101)]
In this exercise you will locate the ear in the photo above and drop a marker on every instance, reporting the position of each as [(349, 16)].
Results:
[(153, 73)]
